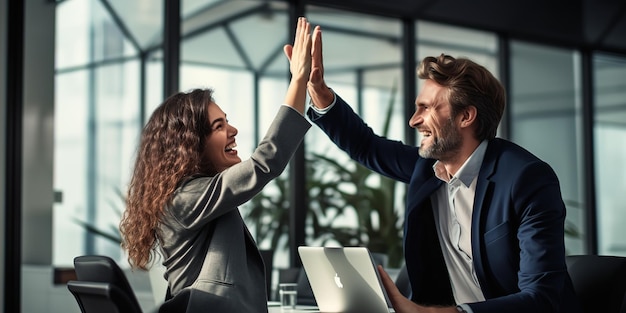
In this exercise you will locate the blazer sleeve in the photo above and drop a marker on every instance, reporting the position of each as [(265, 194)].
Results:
[(203, 199), (351, 134)]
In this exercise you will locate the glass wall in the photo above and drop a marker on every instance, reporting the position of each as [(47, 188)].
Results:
[(434, 39), (609, 135), (97, 122), (545, 107)]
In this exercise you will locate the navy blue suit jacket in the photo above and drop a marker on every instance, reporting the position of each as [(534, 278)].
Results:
[(517, 222)]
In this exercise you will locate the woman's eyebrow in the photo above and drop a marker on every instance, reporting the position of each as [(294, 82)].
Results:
[(217, 120)]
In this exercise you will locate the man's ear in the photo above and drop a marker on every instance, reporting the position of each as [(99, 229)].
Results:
[(468, 116)]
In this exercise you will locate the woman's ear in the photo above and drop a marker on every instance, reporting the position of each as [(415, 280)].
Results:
[(468, 116)]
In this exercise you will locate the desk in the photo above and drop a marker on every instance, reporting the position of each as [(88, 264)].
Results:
[(274, 307)]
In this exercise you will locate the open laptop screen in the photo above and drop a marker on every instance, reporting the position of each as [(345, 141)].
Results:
[(344, 279)]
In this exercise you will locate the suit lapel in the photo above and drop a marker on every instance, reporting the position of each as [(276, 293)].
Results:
[(423, 192), (484, 186)]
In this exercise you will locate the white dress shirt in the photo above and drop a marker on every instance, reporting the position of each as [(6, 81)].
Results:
[(453, 206)]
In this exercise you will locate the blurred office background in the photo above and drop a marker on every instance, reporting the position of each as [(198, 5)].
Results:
[(79, 78)]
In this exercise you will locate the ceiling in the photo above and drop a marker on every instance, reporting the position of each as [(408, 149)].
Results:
[(585, 24)]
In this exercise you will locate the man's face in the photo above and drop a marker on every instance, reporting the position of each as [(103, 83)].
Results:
[(441, 139), (219, 147)]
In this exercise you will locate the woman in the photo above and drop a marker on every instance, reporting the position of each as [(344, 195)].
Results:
[(187, 185)]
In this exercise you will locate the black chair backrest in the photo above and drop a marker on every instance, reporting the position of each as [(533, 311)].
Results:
[(93, 297), (102, 276), (599, 282), (100, 268)]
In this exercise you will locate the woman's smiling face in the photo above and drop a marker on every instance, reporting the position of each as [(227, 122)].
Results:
[(219, 146)]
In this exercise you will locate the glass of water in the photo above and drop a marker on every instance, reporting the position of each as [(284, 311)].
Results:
[(288, 295)]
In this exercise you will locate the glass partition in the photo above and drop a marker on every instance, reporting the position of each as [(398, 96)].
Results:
[(609, 135), (96, 127), (545, 106)]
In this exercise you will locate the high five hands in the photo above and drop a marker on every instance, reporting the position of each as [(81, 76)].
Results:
[(321, 95)]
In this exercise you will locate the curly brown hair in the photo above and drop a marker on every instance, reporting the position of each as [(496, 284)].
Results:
[(469, 84), (170, 149)]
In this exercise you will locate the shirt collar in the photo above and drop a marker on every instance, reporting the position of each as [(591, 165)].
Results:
[(468, 171)]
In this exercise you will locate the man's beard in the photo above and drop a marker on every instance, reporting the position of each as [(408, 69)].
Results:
[(444, 146)]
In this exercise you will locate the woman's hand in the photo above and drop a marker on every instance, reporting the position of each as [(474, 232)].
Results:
[(299, 54)]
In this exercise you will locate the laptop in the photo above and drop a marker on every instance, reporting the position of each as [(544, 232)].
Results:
[(344, 279)]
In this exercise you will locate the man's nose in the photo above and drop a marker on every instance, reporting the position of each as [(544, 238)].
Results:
[(415, 120)]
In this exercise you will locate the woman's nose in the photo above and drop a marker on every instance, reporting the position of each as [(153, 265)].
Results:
[(233, 130)]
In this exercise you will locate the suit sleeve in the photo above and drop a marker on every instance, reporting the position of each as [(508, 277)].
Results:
[(352, 135)]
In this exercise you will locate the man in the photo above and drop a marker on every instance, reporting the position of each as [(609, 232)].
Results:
[(484, 220)]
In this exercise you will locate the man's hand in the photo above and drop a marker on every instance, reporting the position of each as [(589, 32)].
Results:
[(320, 95), (401, 304)]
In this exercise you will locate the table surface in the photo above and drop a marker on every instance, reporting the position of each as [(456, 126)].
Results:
[(274, 307)]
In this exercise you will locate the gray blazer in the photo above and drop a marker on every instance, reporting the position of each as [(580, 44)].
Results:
[(208, 251)]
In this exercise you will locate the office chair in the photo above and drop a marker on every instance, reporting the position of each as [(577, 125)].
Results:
[(102, 287), (599, 282)]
